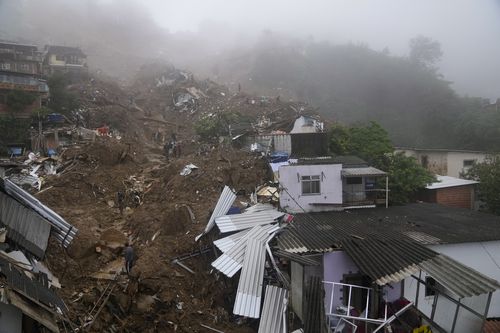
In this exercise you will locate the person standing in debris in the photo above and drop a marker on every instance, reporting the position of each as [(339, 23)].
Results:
[(166, 149), (129, 255), (120, 198)]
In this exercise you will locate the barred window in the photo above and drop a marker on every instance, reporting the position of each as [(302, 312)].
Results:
[(310, 184)]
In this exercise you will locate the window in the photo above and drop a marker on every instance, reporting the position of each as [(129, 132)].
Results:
[(310, 184), (25, 67), (59, 57), (430, 286), (469, 163), (424, 160), (354, 180), (4, 66)]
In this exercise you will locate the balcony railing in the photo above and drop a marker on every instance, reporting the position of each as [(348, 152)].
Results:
[(364, 197)]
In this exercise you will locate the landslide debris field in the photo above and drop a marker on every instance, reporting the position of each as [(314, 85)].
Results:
[(164, 210)]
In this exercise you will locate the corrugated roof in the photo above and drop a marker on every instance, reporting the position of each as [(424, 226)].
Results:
[(230, 262), (381, 250), (225, 202), (259, 207), (226, 243), (243, 221), (24, 227), (249, 293), (301, 259), (273, 317), (366, 171), (447, 181), (460, 279), (423, 222), (387, 260), (61, 230), (17, 280)]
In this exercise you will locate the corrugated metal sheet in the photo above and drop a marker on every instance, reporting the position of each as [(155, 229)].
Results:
[(367, 171), (230, 262), (61, 230), (225, 202), (226, 243), (24, 227), (249, 294), (301, 259), (237, 222), (259, 207), (273, 317), (387, 260), (314, 317), (17, 280), (460, 279)]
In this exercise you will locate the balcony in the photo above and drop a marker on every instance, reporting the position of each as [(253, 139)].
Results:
[(364, 187)]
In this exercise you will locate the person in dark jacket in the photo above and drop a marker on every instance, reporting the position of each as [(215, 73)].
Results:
[(128, 253)]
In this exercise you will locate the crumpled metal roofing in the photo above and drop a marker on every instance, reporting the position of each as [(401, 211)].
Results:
[(231, 262), (249, 293), (273, 317), (225, 202), (24, 227), (61, 230), (243, 221), (226, 243), (366, 171), (301, 259), (314, 308), (17, 280)]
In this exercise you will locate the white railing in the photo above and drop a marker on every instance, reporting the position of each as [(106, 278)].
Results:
[(365, 315)]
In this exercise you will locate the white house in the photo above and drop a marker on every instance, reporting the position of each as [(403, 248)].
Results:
[(323, 184), (445, 162), (437, 264)]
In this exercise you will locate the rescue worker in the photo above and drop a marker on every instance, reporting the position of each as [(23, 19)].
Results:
[(120, 198)]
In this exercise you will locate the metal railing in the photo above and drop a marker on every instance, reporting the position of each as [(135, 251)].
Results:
[(365, 315)]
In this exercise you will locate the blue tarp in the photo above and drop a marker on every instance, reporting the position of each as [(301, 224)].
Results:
[(233, 210), (278, 156)]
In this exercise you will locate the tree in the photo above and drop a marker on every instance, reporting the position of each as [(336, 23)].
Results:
[(61, 100), (18, 100), (488, 175), (424, 51), (406, 176), (371, 142)]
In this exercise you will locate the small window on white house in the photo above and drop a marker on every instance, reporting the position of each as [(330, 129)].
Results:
[(468, 163), (310, 184), (25, 67), (354, 180), (5, 66)]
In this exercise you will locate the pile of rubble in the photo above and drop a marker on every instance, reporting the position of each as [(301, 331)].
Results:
[(164, 204)]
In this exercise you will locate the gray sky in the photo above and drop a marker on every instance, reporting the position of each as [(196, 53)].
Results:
[(469, 30)]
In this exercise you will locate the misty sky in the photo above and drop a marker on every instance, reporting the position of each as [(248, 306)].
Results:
[(469, 30)]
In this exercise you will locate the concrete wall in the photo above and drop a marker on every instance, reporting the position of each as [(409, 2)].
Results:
[(336, 265), (292, 199), (445, 163), (276, 142), (11, 319), (483, 257), (456, 161)]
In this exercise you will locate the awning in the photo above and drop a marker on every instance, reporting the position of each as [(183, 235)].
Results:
[(366, 171)]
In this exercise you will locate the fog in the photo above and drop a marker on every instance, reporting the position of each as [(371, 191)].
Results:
[(189, 32)]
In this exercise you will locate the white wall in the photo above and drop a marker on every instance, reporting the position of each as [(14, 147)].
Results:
[(445, 163), (456, 161), (445, 308), (330, 187), (10, 319), (483, 257)]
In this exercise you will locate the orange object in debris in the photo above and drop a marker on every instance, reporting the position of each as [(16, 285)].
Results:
[(103, 130)]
